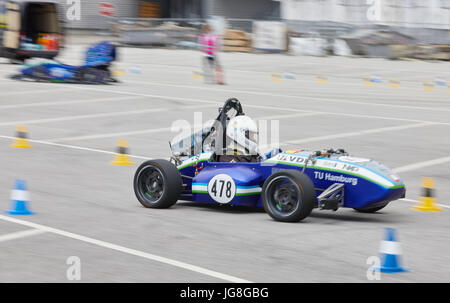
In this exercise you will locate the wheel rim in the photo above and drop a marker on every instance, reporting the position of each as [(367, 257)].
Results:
[(283, 195), (150, 184)]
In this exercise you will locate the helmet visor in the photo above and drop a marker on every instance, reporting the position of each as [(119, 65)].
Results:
[(251, 136)]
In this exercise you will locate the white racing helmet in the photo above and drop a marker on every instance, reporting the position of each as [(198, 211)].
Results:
[(243, 132)]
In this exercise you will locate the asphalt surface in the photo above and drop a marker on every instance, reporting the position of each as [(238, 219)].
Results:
[(86, 207)]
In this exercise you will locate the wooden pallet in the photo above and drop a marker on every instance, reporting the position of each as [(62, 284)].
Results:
[(149, 10)]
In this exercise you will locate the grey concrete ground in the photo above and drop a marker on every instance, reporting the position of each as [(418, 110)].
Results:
[(88, 209)]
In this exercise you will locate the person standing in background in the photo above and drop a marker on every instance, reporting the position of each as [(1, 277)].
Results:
[(209, 45)]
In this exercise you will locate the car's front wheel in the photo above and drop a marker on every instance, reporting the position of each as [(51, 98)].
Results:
[(157, 184), (288, 196)]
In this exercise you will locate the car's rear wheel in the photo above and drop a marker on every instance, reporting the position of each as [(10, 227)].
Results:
[(369, 210), (157, 184), (288, 196), (89, 75)]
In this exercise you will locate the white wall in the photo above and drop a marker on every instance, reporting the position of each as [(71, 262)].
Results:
[(411, 13), (90, 18)]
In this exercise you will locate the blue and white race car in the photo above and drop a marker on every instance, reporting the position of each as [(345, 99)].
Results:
[(288, 185), (95, 70)]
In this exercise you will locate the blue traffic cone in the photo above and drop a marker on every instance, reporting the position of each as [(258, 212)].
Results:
[(390, 251), (19, 199)]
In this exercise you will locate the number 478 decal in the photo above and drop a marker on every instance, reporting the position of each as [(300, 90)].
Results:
[(222, 188)]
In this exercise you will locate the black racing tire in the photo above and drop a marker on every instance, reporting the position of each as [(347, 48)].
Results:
[(369, 210), (16, 77), (302, 197), (90, 75), (17, 61), (39, 73), (157, 184)]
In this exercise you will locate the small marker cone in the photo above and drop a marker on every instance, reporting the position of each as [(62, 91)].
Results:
[(289, 76), (19, 200), (277, 77), (134, 69), (368, 81), (390, 253), (122, 158), (118, 71), (21, 140), (428, 86), (197, 75), (322, 79), (394, 83), (427, 201)]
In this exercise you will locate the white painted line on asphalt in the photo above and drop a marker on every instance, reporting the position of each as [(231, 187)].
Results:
[(32, 92), (126, 250), (310, 83), (100, 115), (78, 147), (39, 104), (303, 98), (415, 201), (419, 165), (384, 118), (287, 116), (342, 135), (21, 234), (374, 70), (112, 135), (357, 133), (165, 129), (274, 106)]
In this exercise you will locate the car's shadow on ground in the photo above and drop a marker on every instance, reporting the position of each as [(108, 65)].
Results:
[(222, 208), (353, 216), (330, 216)]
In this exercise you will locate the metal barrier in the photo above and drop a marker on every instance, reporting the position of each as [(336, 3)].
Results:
[(175, 32), (317, 38)]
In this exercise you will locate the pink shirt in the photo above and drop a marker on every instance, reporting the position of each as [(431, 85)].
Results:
[(209, 44)]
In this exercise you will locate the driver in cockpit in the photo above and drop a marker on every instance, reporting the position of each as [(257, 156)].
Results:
[(241, 141)]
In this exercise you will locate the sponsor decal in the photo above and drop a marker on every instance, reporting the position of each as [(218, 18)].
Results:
[(394, 177), (353, 159), (194, 160), (335, 178), (335, 167), (202, 188)]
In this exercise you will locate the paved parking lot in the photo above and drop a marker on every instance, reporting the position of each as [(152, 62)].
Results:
[(86, 207)]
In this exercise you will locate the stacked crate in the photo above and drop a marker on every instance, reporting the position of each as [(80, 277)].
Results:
[(236, 41), (148, 9)]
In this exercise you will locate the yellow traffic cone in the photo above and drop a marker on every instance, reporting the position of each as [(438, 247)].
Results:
[(428, 201), (122, 158), (428, 86), (277, 77), (322, 79), (197, 75), (118, 71), (368, 81), (21, 140), (394, 83)]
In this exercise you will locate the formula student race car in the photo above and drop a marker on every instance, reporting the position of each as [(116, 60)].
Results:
[(288, 185), (96, 69)]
